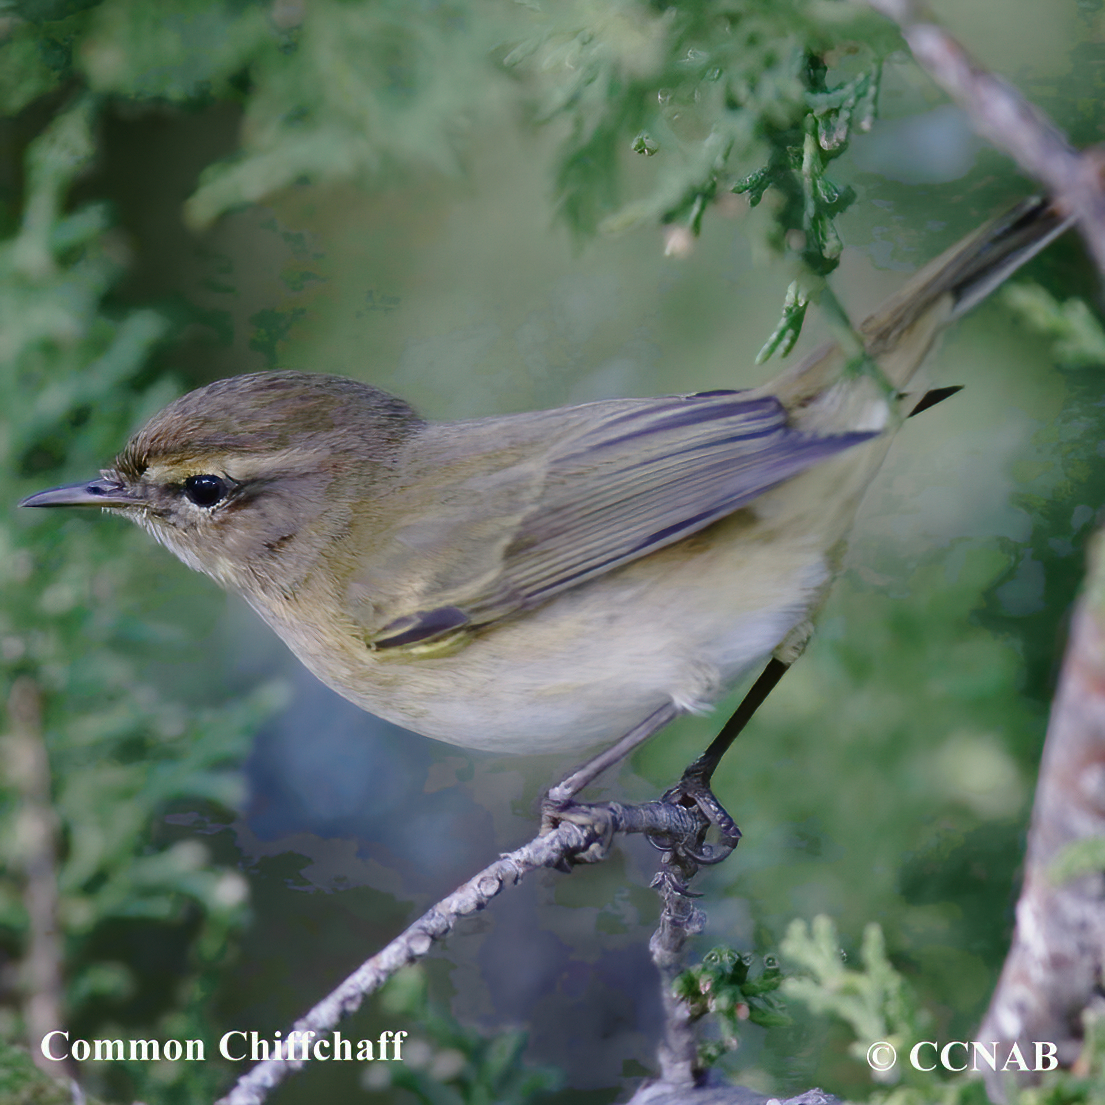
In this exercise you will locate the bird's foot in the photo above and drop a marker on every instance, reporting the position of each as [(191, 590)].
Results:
[(677, 825), (693, 792), (597, 821)]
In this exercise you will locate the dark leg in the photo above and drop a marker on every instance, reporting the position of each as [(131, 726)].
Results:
[(692, 791), (694, 788), (559, 804)]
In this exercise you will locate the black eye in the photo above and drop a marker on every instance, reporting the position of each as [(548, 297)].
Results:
[(204, 490)]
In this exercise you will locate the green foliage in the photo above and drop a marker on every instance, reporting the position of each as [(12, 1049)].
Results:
[(879, 1006), (665, 110), (875, 1001), (720, 100), (36, 53), (1079, 858), (22, 1083), (74, 378), (789, 327), (330, 91), (178, 51), (722, 986), (461, 1066), (1077, 335)]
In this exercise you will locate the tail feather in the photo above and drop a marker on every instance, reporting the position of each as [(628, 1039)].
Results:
[(966, 273), (904, 328), (932, 397)]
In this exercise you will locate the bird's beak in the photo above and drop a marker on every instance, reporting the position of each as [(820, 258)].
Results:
[(99, 492)]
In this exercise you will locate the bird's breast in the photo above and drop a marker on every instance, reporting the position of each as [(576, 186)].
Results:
[(681, 626)]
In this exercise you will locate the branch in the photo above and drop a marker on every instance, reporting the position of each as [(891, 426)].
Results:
[(679, 919), (1001, 115), (1052, 974), (660, 1093), (28, 768), (554, 849)]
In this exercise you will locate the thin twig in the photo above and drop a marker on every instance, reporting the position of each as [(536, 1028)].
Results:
[(1001, 115), (680, 919), (554, 849)]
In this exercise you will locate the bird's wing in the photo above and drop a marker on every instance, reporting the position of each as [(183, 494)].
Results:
[(625, 479)]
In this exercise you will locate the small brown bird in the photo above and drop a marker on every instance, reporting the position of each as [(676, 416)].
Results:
[(543, 581)]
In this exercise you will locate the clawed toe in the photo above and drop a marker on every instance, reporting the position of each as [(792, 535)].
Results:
[(594, 820), (677, 825), (693, 792)]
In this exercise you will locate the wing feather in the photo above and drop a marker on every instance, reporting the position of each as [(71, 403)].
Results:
[(626, 479)]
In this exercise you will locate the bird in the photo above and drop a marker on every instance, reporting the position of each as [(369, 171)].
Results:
[(554, 580)]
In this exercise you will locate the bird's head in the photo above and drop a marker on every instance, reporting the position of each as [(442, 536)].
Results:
[(246, 479)]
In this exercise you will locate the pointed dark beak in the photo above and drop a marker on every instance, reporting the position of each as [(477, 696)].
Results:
[(98, 492)]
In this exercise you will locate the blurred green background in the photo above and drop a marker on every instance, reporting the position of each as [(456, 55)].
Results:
[(890, 777)]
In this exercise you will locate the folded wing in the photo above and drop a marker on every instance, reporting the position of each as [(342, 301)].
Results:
[(620, 481)]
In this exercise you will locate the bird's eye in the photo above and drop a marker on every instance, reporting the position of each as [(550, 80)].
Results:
[(205, 490)]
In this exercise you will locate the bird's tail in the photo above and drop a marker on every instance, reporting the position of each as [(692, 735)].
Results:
[(824, 395), (966, 273), (903, 329)]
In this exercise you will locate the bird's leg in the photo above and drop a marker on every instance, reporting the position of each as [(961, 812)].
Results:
[(693, 789), (560, 805), (570, 786), (691, 792)]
